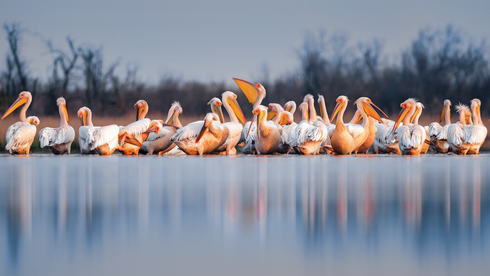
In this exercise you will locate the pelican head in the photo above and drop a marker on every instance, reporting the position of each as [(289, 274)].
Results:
[(341, 102), (274, 108), (33, 120), (255, 93), (82, 113), (447, 106), (286, 118), (210, 117), (406, 106), (174, 111), (61, 102), (418, 109), (24, 97), (259, 112), (216, 104), (155, 126), (290, 107), (367, 105), (464, 113), (141, 109), (231, 100)]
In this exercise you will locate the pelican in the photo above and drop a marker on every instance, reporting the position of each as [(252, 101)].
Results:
[(268, 133), (290, 107), (200, 137), (415, 120), (274, 112), (142, 109), (438, 133), (286, 120), (347, 138), (326, 145), (233, 129), (21, 134), (255, 94), (411, 137), (476, 132), (457, 137), (385, 141), (137, 128), (98, 140), (135, 133), (159, 142), (58, 139), (309, 134)]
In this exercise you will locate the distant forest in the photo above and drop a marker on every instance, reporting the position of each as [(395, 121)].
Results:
[(438, 64)]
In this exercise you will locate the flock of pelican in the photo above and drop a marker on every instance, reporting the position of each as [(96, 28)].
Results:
[(271, 131)]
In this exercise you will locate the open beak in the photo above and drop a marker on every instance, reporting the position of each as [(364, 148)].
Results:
[(15, 105), (400, 118), (336, 110), (372, 104), (237, 110), (442, 115), (248, 89), (203, 130)]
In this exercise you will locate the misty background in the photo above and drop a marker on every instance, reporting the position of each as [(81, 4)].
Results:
[(108, 54)]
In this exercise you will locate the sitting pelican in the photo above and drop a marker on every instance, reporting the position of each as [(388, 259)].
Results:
[(137, 128), (99, 140), (268, 133), (200, 137), (21, 134), (233, 129), (385, 141), (135, 133), (58, 139), (476, 132), (438, 133), (160, 142), (290, 107), (457, 134), (286, 120), (348, 138), (415, 120), (411, 137), (309, 134)]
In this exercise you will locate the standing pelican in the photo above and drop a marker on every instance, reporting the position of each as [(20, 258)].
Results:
[(98, 140), (309, 134), (476, 132), (457, 134), (233, 129), (58, 139), (415, 120), (268, 133), (326, 145), (200, 137), (411, 137), (21, 134), (385, 141), (255, 94), (85, 115), (160, 142), (438, 133)]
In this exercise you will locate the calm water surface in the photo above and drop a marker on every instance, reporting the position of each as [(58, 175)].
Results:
[(284, 215)]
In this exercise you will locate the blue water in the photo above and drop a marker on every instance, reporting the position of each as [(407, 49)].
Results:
[(284, 215)]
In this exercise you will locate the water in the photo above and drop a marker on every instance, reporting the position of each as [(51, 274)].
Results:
[(284, 215)]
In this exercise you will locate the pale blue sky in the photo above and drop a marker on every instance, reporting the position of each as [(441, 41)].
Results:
[(218, 39)]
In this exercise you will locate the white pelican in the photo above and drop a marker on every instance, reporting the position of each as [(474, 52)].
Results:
[(326, 145), (438, 133), (268, 133), (411, 137), (255, 94), (286, 120), (385, 141), (274, 112), (160, 142), (233, 129), (142, 109), (135, 133), (21, 134), (200, 137), (99, 140), (85, 115), (137, 128), (457, 134), (415, 120), (58, 139), (476, 132), (290, 107), (309, 134), (347, 138)]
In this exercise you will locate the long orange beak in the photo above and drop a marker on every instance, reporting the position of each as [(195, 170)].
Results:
[(443, 114), (399, 119), (258, 126), (251, 123), (15, 105), (338, 106), (379, 109), (203, 130), (414, 115), (66, 114)]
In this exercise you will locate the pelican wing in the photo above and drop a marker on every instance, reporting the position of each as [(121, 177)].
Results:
[(435, 129), (190, 131), (139, 126), (100, 136), (19, 134), (354, 129), (163, 132), (456, 134), (234, 129), (56, 136), (417, 135), (475, 134)]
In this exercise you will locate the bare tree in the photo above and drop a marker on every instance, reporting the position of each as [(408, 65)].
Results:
[(14, 61)]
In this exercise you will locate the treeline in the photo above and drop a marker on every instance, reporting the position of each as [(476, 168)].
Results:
[(438, 64)]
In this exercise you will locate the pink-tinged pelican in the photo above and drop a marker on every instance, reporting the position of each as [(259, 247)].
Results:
[(457, 134), (58, 139), (233, 129), (415, 120), (286, 120), (290, 107), (160, 142), (21, 134), (200, 137), (348, 138), (268, 133), (326, 145), (438, 133), (135, 133), (255, 94), (476, 132), (385, 142), (274, 112), (142, 109), (137, 128), (411, 137), (100, 140), (309, 134)]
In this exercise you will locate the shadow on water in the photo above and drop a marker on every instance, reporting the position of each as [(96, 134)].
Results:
[(427, 215)]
